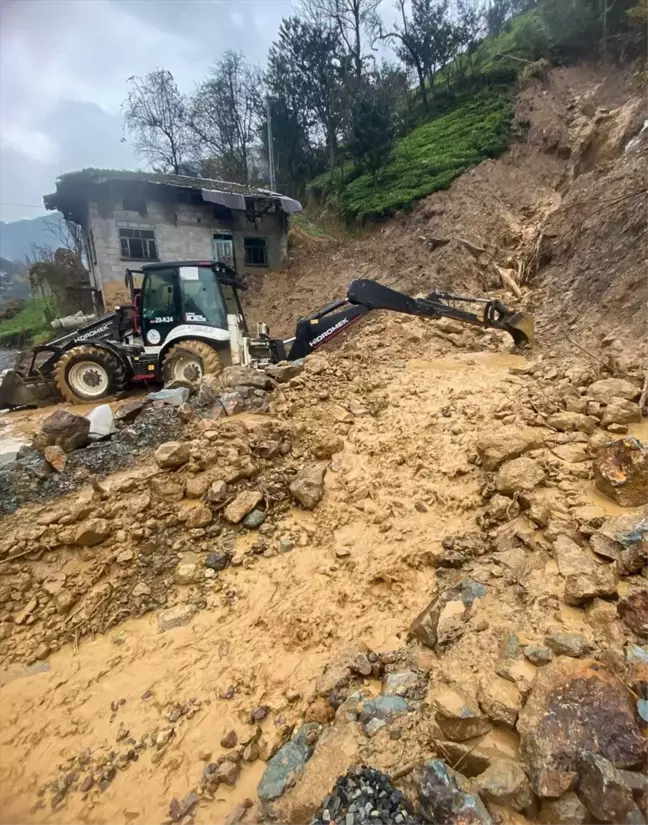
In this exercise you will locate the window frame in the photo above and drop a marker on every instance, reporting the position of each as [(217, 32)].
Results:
[(148, 241), (258, 245)]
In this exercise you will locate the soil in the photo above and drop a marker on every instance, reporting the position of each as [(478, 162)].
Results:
[(107, 719)]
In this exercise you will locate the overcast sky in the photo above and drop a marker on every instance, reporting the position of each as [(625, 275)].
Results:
[(63, 71)]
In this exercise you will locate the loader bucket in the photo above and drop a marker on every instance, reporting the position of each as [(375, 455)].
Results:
[(520, 327), (18, 391)]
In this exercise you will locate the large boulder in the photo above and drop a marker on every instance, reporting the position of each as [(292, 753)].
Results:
[(458, 714), (500, 700), (505, 783), (284, 372), (633, 609), (607, 389), (93, 531), (520, 475), (585, 577), (604, 790), (308, 485), (172, 454), (621, 411), (572, 422), (576, 706), (245, 377), (497, 446), (621, 472), (63, 429)]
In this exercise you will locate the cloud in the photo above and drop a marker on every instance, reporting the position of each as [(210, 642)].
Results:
[(64, 66)]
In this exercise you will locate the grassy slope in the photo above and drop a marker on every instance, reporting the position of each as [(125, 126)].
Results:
[(429, 158), (28, 327)]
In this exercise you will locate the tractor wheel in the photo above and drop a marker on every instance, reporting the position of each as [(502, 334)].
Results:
[(86, 374), (189, 361)]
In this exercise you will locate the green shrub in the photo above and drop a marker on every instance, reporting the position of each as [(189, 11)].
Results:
[(426, 160), (29, 326)]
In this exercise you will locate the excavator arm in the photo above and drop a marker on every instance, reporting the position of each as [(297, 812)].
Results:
[(365, 295)]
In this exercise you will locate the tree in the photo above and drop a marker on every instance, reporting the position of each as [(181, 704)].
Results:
[(67, 234), (497, 14), (467, 32), (351, 18), (156, 114), (310, 60), (224, 114), (372, 125)]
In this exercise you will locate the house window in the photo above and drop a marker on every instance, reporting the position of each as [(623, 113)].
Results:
[(137, 244), (256, 251), (134, 205)]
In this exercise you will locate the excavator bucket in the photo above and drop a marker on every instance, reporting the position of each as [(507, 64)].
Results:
[(18, 391), (520, 327)]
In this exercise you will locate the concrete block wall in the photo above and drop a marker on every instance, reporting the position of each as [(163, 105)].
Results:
[(182, 232)]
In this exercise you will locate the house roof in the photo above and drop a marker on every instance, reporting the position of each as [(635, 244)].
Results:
[(73, 189)]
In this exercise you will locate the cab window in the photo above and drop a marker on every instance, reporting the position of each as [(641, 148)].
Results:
[(157, 298), (201, 297)]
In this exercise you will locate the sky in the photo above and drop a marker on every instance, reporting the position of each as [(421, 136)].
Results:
[(64, 66)]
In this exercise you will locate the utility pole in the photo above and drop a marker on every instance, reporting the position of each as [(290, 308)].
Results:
[(270, 146)]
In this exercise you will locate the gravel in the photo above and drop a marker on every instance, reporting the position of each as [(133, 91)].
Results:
[(364, 795)]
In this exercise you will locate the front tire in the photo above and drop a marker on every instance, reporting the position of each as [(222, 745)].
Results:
[(189, 361), (87, 374)]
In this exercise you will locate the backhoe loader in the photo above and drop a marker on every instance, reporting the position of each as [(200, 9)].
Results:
[(186, 320)]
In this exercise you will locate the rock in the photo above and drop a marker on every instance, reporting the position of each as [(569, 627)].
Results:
[(228, 772), (102, 422), (177, 616), (500, 700), (141, 589), (196, 485), (168, 488), (316, 364), (603, 789), (572, 453), (217, 492), (251, 752), (361, 664), (605, 547), (320, 711), (229, 740), (308, 485), (208, 390), (63, 429), (186, 573), (442, 801), (457, 714), (633, 609), (128, 412), (566, 810), (218, 561), (441, 622), (538, 654), (505, 783), (620, 411), (585, 577), (621, 472), (519, 475), (242, 505), (610, 388), (618, 429), (327, 445), (171, 397), (281, 373), (245, 377), (383, 708), (172, 454), (55, 456), (254, 519), (399, 684), (572, 422), (232, 402), (287, 765), (199, 516), (340, 414), (576, 705), (497, 446), (93, 531), (567, 644)]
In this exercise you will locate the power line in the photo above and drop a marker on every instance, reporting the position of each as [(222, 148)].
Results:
[(26, 205)]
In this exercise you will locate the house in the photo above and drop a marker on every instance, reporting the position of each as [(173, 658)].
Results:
[(131, 218)]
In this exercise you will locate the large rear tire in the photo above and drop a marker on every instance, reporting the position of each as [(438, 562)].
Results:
[(190, 360), (87, 374)]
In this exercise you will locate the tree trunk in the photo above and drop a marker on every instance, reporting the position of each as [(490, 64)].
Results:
[(421, 79)]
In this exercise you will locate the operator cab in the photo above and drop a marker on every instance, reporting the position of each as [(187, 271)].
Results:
[(184, 299)]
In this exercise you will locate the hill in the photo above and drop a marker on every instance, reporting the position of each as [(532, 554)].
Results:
[(18, 237)]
